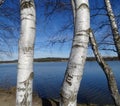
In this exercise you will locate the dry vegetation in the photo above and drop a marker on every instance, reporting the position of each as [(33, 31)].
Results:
[(7, 98)]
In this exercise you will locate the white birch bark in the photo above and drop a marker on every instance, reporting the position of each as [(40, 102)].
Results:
[(112, 84), (26, 48), (113, 26), (78, 54)]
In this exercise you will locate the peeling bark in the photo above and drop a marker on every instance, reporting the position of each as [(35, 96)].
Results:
[(78, 54), (107, 70), (26, 52), (114, 26)]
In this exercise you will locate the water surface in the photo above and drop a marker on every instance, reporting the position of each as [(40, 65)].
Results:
[(49, 76)]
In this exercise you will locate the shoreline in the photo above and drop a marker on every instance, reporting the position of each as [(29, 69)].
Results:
[(7, 98), (52, 59)]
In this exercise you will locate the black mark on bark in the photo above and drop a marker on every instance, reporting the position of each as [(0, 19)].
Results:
[(27, 49), (83, 5), (26, 4), (69, 78)]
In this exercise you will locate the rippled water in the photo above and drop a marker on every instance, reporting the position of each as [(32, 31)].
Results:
[(49, 75)]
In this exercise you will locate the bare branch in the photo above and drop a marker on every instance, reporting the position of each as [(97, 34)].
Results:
[(58, 39), (108, 49), (73, 8), (52, 7)]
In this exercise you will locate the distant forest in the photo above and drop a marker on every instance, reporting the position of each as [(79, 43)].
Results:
[(54, 59)]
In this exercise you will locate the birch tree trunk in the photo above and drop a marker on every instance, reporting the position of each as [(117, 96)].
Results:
[(113, 26), (1, 2), (78, 54), (26, 48), (107, 70)]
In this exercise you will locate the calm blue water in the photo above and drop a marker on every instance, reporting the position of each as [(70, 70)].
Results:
[(49, 75)]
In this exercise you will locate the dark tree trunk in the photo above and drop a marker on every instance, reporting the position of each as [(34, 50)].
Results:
[(107, 70)]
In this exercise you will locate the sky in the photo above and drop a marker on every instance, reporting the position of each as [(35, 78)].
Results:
[(52, 26)]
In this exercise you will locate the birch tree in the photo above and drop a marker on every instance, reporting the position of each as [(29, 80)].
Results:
[(78, 53), (25, 59), (1, 2), (113, 26), (112, 84)]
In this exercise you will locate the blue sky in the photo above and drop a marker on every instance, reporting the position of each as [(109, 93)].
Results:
[(51, 28)]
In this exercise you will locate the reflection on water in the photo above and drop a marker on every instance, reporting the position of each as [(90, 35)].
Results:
[(49, 75)]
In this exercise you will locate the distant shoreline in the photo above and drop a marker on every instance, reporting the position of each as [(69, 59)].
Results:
[(50, 59)]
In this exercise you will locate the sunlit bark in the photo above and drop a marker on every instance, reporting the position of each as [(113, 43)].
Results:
[(78, 54), (25, 59), (107, 70), (113, 26)]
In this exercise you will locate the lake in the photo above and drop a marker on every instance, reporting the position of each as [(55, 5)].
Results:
[(49, 76)]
